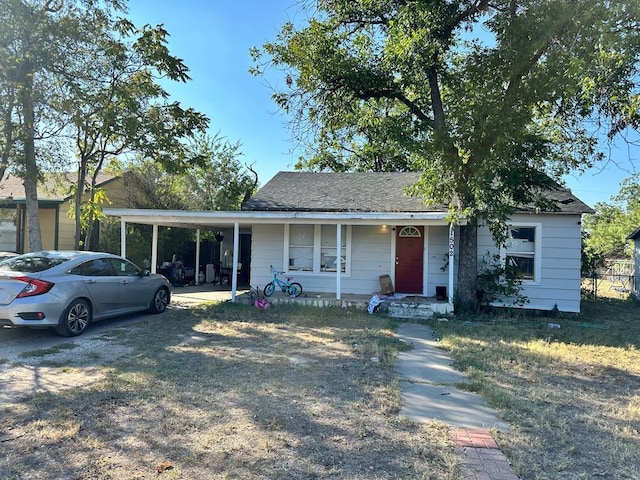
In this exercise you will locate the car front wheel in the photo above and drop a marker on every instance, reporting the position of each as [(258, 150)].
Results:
[(160, 301), (75, 319)]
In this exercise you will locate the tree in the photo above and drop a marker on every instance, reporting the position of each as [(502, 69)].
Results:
[(222, 183), (217, 182), (119, 107), (607, 230), (489, 99), (37, 41), (75, 69)]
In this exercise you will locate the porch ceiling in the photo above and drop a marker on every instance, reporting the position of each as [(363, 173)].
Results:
[(204, 219)]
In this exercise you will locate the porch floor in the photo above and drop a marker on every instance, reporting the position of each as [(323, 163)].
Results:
[(406, 306)]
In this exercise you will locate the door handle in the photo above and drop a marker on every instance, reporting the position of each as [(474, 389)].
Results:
[(89, 282)]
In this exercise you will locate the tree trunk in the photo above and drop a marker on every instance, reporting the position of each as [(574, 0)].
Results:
[(31, 169), (90, 218), (77, 206), (467, 300)]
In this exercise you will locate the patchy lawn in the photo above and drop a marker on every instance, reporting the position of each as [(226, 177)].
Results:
[(219, 392), (571, 394), (233, 392)]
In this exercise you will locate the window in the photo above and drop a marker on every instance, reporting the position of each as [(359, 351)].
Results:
[(328, 260), (313, 248), (124, 267), (409, 232), (301, 245), (98, 267), (522, 251)]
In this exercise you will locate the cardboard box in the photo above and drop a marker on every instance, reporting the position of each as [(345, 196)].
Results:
[(386, 286)]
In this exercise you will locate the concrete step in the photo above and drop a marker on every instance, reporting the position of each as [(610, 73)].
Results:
[(420, 310)]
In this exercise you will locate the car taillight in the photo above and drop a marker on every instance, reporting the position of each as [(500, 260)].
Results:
[(34, 287)]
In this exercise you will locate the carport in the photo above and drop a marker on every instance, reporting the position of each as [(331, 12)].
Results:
[(184, 219)]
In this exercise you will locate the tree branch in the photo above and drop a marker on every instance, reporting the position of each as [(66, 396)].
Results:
[(527, 64)]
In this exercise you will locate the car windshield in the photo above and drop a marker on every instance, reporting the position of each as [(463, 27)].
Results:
[(33, 262)]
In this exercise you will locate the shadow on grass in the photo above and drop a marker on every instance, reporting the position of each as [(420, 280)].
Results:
[(232, 391)]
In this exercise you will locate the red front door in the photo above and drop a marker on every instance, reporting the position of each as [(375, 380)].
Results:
[(409, 259)]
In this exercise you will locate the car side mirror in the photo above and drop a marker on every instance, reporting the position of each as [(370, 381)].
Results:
[(145, 273)]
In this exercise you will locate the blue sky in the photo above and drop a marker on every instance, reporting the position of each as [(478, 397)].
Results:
[(213, 37)]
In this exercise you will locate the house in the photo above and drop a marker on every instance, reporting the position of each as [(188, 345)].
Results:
[(55, 201), (340, 233), (383, 231), (635, 236)]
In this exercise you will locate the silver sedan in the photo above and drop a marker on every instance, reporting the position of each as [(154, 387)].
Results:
[(67, 290)]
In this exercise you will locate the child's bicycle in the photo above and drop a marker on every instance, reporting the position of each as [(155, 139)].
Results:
[(292, 288)]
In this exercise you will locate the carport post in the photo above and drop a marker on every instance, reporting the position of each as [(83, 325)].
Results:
[(234, 270), (123, 237), (197, 267), (154, 249), (452, 251), (339, 260)]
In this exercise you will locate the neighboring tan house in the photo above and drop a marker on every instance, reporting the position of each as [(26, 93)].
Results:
[(635, 236), (55, 200), (341, 232)]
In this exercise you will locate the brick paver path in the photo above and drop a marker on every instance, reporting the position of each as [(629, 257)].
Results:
[(480, 456)]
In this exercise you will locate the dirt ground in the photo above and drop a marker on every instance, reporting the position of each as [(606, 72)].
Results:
[(222, 392)]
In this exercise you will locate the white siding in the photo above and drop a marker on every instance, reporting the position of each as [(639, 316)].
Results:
[(266, 250), (370, 258), (559, 283), (436, 259), (372, 253)]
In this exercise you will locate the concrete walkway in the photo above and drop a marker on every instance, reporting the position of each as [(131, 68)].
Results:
[(428, 381)]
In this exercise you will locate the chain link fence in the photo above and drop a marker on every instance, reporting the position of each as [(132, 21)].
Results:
[(615, 279)]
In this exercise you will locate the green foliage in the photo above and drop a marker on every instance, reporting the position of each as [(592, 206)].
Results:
[(218, 182), (498, 281), (591, 259), (75, 70), (138, 240), (607, 230), (39, 44)]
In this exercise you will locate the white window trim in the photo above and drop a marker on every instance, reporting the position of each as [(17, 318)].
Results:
[(317, 234), (537, 253)]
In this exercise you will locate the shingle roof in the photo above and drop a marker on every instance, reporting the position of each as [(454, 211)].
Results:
[(635, 235), (55, 186), (361, 192)]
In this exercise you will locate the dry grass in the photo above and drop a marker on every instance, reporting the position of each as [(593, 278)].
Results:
[(572, 395), (221, 392), (605, 288)]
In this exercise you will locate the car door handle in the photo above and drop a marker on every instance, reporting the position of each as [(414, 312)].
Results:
[(125, 282), (90, 282)]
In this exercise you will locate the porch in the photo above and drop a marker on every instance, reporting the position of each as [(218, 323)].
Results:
[(409, 306)]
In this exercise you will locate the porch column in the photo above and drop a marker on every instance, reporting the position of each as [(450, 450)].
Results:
[(452, 251), (197, 267), (154, 249), (234, 268), (123, 237), (338, 259)]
